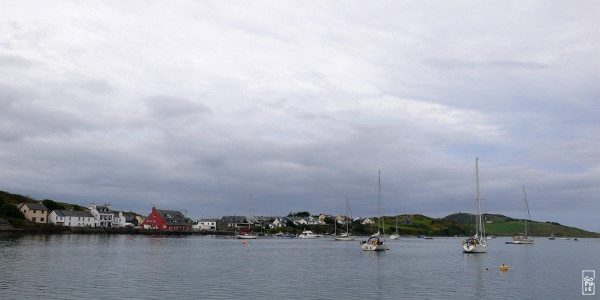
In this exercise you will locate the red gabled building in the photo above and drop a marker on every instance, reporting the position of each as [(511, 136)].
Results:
[(166, 220)]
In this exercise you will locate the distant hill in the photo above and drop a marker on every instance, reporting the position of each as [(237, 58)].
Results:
[(8, 198), (501, 225)]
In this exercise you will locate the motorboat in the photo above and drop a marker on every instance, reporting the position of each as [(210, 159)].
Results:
[(307, 234)]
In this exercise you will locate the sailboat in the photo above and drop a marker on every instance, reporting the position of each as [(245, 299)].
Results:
[(476, 243), (246, 234), (524, 238), (345, 236), (396, 235), (374, 243)]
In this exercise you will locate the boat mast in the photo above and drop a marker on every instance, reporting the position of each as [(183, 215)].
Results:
[(250, 218), (347, 213), (380, 207), (479, 226), (527, 209)]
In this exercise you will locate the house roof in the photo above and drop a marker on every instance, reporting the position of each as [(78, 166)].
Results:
[(208, 220), (67, 213), (172, 217), (39, 206), (234, 219)]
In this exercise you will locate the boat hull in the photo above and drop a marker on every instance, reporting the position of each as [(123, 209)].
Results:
[(474, 248), (246, 237), (344, 238), (523, 242), (373, 244)]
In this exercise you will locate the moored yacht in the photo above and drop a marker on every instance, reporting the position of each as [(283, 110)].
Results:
[(307, 234)]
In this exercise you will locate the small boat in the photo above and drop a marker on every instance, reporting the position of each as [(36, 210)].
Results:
[(373, 244), (247, 234), (307, 234), (476, 243), (552, 237), (575, 240), (345, 236), (524, 238), (566, 238)]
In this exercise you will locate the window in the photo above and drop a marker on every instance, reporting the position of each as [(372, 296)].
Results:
[(34, 211), (41, 219)]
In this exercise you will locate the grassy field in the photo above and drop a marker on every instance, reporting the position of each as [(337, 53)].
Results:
[(504, 226)]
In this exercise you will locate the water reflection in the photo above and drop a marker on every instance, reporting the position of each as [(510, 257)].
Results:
[(209, 268)]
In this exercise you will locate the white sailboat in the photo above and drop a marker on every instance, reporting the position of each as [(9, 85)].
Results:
[(524, 238), (345, 236), (247, 235), (374, 243), (476, 243)]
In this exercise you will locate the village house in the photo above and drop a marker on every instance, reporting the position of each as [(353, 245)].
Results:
[(132, 218), (278, 222), (367, 221), (164, 220), (119, 219), (206, 225), (232, 221), (34, 212), (72, 218), (102, 214)]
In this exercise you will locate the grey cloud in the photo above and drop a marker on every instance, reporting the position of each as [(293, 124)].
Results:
[(172, 107), (492, 64), (7, 61)]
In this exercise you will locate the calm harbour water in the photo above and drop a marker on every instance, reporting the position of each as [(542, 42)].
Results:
[(71, 266)]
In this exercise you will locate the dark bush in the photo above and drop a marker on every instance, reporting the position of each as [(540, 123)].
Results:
[(10, 210)]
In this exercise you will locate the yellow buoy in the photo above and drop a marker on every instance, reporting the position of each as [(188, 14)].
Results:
[(503, 267)]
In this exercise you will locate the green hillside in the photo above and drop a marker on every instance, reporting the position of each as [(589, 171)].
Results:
[(9, 198), (505, 226)]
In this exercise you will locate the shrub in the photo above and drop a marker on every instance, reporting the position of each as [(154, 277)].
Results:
[(11, 211)]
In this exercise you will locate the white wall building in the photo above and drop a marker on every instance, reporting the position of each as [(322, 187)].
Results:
[(119, 219), (103, 215), (206, 224), (72, 218)]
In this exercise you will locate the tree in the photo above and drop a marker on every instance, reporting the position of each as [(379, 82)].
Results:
[(302, 214), (11, 211), (51, 205)]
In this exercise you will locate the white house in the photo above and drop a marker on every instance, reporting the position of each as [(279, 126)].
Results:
[(119, 220), (298, 220), (72, 218), (367, 221), (278, 223), (206, 224), (103, 215)]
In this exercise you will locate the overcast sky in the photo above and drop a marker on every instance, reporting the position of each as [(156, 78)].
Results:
[(195, 105)]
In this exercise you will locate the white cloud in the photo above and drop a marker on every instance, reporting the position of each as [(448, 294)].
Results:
[(196, 105)]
